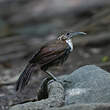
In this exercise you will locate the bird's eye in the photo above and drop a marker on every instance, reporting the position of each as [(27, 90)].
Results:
[(68, 34)]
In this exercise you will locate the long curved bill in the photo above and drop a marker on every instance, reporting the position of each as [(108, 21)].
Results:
[(77, 33)]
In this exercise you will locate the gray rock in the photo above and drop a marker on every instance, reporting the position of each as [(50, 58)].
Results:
[(55, 99), (93, 106), (87, 88), (88, 84)]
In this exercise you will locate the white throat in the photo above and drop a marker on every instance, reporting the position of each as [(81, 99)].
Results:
[(69, 42)]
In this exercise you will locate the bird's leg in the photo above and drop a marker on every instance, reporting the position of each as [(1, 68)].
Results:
[(55, 79), (51, 75)]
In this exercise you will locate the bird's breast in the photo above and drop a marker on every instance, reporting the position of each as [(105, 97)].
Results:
[(69, 42)]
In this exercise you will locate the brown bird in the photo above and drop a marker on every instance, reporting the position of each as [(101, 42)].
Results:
[(52, 53)]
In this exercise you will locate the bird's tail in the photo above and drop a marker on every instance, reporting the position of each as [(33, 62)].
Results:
[(24, 77)]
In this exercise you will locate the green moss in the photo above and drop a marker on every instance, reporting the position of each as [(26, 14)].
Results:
[(105, 59)]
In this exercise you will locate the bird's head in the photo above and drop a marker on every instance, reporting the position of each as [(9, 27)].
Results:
[(70, 35)]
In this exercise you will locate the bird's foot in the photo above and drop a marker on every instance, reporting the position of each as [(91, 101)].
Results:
[(57, 80), (53, 78), (51, 75), (60, 81)]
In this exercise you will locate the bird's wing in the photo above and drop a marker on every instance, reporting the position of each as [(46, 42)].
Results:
[(49, 52)]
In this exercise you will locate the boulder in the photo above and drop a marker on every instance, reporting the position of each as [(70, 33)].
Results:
[(88, 84), (87, 88)]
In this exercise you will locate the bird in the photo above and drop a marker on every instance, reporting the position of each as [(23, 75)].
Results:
[(52, 53)]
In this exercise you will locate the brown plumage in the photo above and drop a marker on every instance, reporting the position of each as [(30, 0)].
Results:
[(52, 53)]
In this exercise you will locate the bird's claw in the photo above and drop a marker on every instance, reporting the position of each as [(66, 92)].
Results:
[(57, 80)]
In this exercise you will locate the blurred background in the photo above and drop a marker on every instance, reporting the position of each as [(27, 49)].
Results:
[(25, 25)]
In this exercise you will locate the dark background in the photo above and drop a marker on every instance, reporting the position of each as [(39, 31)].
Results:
[(25, 25)]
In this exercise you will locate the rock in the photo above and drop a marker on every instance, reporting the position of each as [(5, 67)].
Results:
[(55, 99), (93, 106), (88, 84), (87, 88)]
